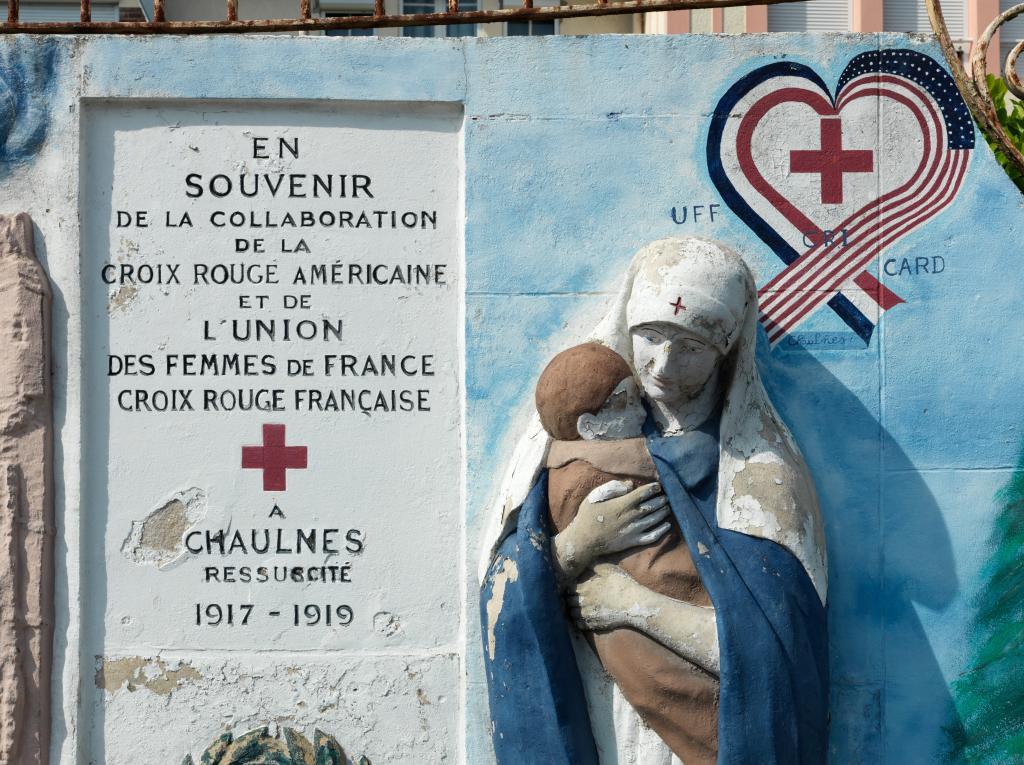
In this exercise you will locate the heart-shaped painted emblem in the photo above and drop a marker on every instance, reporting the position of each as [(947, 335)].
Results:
[(829, 182)]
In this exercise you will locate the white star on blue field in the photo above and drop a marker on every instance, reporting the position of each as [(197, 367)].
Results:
[(926, 72)]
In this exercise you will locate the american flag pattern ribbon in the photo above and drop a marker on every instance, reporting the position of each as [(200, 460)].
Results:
[(830, 182)]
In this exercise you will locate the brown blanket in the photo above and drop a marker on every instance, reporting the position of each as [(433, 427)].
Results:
[(677, 699)]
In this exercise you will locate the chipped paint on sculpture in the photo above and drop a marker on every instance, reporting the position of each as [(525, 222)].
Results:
[(665, 581), (753, 432), (507, 573)]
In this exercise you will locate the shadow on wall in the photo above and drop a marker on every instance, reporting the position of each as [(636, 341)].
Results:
[(59, 319), (889, 551), (27, 84), (95, 492)]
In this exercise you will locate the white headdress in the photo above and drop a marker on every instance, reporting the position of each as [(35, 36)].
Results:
[(764, 487)]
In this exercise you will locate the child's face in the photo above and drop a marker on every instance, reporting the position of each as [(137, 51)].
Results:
[(621, 416)]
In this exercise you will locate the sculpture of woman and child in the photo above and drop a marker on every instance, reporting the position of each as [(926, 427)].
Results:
[(654, 579)]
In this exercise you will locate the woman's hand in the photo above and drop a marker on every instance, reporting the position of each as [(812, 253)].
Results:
[(609, 599), (611, 519)]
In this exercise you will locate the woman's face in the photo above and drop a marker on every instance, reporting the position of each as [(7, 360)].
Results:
[(671, 363)]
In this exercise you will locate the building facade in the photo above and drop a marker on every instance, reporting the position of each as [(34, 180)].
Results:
[(966, 19), (210, 10)]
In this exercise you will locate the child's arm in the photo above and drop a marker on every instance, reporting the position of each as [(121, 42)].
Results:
[(610, 519), (611, 598)]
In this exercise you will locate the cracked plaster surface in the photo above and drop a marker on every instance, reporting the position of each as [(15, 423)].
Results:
[(158, 538), (395, 709)]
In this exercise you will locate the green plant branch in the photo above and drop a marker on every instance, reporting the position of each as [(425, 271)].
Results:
[(1012, 120)]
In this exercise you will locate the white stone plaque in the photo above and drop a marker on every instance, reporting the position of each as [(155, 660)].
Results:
[(274, 409)]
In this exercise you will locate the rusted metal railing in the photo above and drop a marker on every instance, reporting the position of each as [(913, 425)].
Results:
[(974, 85), (306, 22)]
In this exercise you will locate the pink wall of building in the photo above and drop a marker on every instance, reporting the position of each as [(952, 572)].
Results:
[(865, 16)]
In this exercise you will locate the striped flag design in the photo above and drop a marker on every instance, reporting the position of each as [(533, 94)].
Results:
[(829, 183)]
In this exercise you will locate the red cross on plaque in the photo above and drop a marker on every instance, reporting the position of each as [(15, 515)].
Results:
[(274, 458), (678, 306), (831, 161)]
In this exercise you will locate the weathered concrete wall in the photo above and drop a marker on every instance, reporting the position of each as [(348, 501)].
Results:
[(566, 172)]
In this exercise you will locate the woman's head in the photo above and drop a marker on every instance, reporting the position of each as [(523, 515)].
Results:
[(685, 311), (672, 363)]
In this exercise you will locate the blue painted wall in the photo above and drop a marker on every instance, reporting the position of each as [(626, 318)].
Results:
[(572, 168)]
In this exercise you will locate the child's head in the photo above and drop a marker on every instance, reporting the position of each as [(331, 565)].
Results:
[(588, 392)]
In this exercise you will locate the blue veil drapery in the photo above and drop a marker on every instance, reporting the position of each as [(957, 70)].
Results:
[(772, 632)]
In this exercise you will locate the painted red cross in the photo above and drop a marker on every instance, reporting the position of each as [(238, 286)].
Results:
[(678, 306), (831, 161), (274, 458)]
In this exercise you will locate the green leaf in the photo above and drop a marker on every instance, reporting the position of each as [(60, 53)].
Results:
[(1012, 121)]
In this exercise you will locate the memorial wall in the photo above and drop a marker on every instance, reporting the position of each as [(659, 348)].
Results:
[(277, 299), (310, 446)]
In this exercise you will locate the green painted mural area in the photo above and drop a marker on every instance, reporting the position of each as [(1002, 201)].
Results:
[(990, 693)]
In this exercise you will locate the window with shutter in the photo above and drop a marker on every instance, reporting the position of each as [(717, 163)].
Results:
[(1010, 33), (65, 12), (911, 16), (347, 32), (815, 16), (530, 28), (438, 6), (955, 13)]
